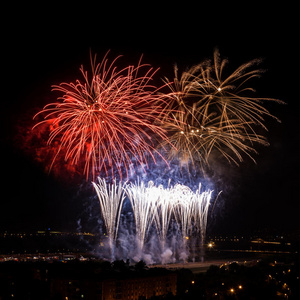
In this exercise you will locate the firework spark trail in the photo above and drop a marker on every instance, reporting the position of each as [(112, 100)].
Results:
[(110, 119), (183, 209), (143, 200), (215, 113), (111, 197), (158, 205), (229, 95), (165, 208), (201, 202), (153, 205)]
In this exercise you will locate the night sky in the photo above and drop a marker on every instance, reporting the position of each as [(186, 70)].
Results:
[(46, 45)]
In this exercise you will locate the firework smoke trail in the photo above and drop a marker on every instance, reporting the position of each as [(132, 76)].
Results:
[(111, 197), (110, 119), (215, 113)]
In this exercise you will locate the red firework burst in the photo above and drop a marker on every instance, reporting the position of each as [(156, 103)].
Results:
[(110, 119)]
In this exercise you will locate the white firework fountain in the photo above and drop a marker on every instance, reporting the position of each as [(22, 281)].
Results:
[(156, 207)]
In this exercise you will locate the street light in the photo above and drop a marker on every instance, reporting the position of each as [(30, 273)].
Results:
[(210, 245)]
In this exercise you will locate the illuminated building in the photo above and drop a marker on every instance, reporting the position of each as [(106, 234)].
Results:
[(118, 286)]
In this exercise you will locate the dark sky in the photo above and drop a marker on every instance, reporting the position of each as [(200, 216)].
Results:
[(46, 45)]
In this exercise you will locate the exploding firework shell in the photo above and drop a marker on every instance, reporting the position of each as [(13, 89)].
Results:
[(215, 113), (110, 120)]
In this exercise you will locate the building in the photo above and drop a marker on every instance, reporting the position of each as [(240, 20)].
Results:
[(139, 287), (129, 285)]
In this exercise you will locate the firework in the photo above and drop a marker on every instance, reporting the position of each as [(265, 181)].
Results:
[(143, 200), (110, 119), (111, 197), (165, 209), (182, 209), (116, 121), (229, 96), (200, 203), (215, 113), (154, 207)]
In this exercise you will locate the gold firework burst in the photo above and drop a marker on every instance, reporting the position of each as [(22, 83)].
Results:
[(215, 112)]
